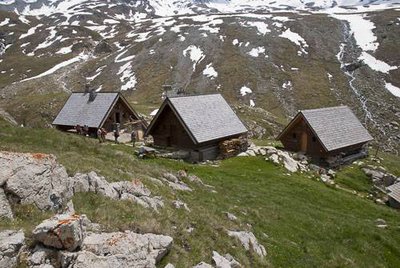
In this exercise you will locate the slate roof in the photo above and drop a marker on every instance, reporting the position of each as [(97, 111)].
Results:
[(394, 191), (336, 127), (79, 110), (205, 117)]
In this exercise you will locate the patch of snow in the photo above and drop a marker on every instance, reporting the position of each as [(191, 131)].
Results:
[(287, 85), (376, 64), (393, 89), (255, 52), (281, 18), (99, 88), (235, 42), (209, 71), (252, 104), (262, 27), (329, 76), (154, 112), (110, 21), (98, 72), (245, 90), (295, 38), (7, 2), (65, 50), (30, 31), (23, 19), (128, 77), (128, 58), (5, 22), (362, 30), (195, 54), (49, 40), (57, 67)]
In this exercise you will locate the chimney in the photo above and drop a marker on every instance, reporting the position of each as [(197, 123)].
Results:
[(92, 95), (166, 91)]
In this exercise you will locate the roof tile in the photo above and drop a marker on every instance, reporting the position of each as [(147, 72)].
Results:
[(336, 127), (208, 117), (78, 110)]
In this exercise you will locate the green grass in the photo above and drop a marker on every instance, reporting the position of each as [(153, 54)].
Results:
[(354, 178), (300, 221)]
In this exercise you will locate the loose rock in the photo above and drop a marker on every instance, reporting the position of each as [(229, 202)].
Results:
[(5, 208), (231, 216), (179, 204), (120, 249), (35, 179), (249, 241), (202, 265), (61, 232), (226, 261), (10, 245)]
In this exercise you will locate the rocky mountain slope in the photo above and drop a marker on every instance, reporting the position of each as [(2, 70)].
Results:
[(159, 212), (268, 58)]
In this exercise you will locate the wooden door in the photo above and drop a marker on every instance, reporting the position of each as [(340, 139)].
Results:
[(303, 142)]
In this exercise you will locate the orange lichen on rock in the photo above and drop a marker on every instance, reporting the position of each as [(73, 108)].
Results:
[(39, 156), (69, 220), (136, 182)]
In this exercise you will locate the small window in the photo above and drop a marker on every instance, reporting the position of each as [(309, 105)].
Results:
[(314, 139), (294, 136)]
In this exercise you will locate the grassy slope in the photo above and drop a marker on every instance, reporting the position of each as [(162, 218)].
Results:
[(301, 222)]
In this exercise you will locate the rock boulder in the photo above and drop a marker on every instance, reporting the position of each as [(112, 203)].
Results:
[(120, 249), (61, 232), (35, 179), (249, 241), (10, 245)]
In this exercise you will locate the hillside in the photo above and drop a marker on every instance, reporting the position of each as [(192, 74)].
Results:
[(301, 221), (269, 59)]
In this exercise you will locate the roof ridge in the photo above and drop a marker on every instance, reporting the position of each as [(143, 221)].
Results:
[(197, 95), (326, 108), (102, 92)]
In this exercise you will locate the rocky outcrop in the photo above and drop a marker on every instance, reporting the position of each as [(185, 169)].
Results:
[(230, 216), (279, 157), (120, 249), (179, 204), (92, 182), (379, 176), (249, 241), (5, 208), (34, 179), (226, 261), (60, 232), (103, 47), (42, 257), (203, 265), (74, 241), (38, 179), (175, 183), (10, 244)]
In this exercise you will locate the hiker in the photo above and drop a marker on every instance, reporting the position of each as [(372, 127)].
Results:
[(103, 134), (133, 137), (116, 135), (78, 129), (100, 135), (86, 130)]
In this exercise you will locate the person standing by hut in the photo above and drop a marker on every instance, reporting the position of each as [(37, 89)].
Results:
[(100, 135), (133, 137), (103, 134), (86, 130), (116, 132)]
